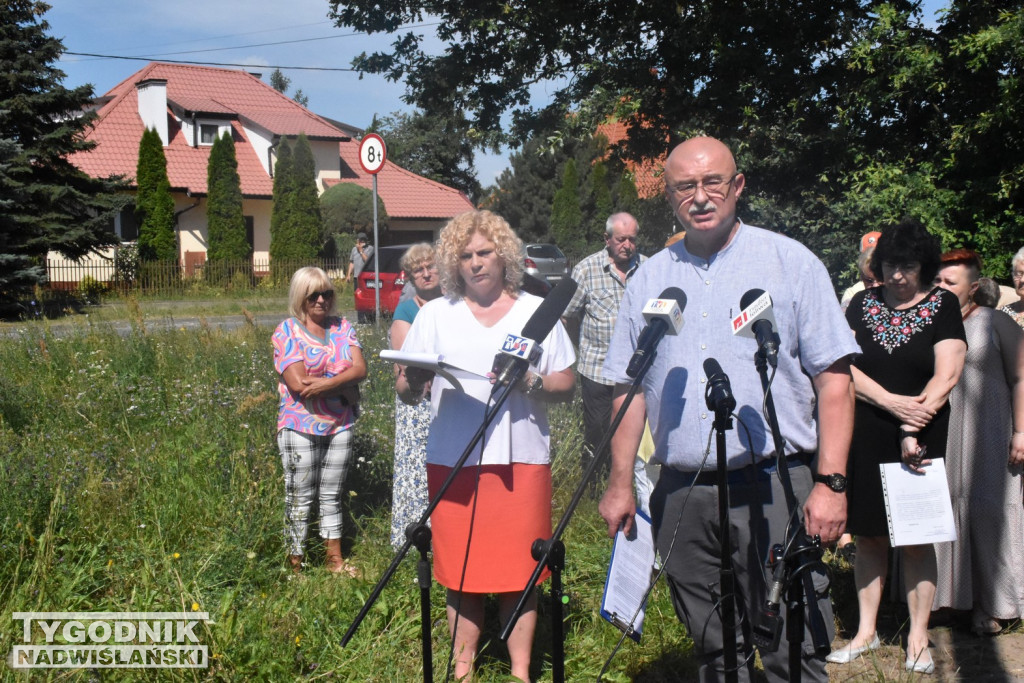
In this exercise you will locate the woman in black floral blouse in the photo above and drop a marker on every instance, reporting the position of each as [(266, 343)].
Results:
[(913, 345)]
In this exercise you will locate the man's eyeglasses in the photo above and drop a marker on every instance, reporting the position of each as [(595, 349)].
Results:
[(327, 294), (1017, 275), (714, 187)]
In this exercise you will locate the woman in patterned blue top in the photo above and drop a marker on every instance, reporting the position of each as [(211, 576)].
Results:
[(913, 345), (409, 496)]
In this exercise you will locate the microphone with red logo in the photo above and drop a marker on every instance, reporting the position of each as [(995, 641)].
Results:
[(664, 315), (757, 320), (518, 352)]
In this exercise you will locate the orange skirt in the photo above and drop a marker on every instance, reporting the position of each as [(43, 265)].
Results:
[(512, 511)]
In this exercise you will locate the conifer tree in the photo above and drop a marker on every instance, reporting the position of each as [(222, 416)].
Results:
[(305, 201), (47, 202), (602, 194), (566, 215), (225, 222), (280, 217), (154, 204)]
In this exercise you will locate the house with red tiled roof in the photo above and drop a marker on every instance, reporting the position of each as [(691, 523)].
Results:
[(647, 174), (190, 106)]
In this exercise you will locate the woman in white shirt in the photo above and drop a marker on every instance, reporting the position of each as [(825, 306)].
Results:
[(500, 501)]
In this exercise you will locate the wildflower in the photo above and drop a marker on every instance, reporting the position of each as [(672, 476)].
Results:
[(195, 606), (251, 555), (176, 555), (298, 639)]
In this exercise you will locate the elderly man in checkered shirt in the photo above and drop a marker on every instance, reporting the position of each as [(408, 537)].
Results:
[(602, 280)]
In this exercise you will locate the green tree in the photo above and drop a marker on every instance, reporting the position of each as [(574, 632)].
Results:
[(279, 82), (295, 222), (48, 204), (566, 214), (280, 216), (347, 209), (305, 211), (226, 239), (602, 194), (154, 204), (439, 147)]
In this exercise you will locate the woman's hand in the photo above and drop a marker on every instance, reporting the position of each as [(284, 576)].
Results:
[(912, 454), (317, 387), (1017, 448), (910, 410)]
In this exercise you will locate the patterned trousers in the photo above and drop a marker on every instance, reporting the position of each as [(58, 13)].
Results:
[(314, 468)]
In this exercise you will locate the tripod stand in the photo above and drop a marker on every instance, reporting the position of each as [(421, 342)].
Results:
[(792, 562)]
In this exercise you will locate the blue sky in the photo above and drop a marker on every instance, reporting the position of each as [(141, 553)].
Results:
[(150, 28)]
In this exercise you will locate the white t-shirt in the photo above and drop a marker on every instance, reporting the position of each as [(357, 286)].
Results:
[(520, 433)]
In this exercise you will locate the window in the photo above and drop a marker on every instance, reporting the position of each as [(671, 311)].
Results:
[(208, 133), (250, 233), (127, 227)]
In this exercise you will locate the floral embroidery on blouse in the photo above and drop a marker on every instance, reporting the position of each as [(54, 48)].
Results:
[(891, 328), (1017, 317)]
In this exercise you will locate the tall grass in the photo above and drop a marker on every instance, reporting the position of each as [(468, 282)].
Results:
[(142, 474)]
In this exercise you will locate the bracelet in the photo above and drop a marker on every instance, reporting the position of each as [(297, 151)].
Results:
[(905, 433), (1015, 432)]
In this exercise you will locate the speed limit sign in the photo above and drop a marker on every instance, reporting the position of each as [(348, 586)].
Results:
[(372, 153)]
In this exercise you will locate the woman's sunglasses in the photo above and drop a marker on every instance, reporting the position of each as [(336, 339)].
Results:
[(327, 294)]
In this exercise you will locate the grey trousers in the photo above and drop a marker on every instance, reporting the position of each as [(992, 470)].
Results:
[(758, 516)]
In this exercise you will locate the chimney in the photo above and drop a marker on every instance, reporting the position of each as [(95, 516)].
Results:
[(152, 94)]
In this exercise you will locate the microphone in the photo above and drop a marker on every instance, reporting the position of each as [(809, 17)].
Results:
[(664, 315), (757, 320), (519, 351), (718, 395)]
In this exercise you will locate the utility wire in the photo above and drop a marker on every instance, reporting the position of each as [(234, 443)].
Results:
[(193, 61)]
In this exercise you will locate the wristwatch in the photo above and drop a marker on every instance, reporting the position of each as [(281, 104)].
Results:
[(535, 385), (836, 482)]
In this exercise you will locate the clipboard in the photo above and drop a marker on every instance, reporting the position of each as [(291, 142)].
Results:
[(629, 577)]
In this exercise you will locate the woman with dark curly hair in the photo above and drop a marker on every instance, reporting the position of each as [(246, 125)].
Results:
[(913, 346)]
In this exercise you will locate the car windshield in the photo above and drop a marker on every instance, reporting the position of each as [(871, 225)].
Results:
[(543, 251), (389, 258)]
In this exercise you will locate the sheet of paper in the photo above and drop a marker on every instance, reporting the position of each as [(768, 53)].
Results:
[(434, 362), (918, 505), (629, 576)]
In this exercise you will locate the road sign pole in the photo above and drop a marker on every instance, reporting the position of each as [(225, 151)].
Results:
[(376, 259), (372, 154)]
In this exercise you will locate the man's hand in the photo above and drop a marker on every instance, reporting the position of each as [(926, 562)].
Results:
[(617, 507), (825, 513)]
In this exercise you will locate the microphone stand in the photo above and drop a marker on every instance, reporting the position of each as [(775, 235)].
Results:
[(798, 549), (550, 552), (727, 574), (418, 533)]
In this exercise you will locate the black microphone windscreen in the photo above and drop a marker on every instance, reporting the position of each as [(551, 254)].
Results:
[(750, 297), (550, 310), (675, 293), (712, 368)]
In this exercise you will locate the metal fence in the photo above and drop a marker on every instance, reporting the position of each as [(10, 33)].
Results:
[(125, 275)]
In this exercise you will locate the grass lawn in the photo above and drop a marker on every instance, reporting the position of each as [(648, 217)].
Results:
[(142, 475)]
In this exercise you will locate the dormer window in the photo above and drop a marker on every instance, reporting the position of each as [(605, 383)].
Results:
[(209, 132)]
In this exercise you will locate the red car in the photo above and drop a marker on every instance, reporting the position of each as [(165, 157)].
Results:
[(392, 280)]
